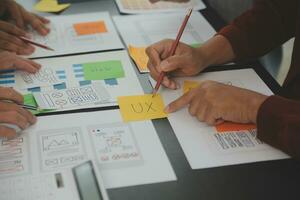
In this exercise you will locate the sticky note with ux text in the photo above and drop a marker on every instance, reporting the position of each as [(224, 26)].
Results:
[(103, 70), (89, 28), (142, 107)]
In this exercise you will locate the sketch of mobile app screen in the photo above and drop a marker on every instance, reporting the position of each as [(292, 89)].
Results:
[(114, 145)]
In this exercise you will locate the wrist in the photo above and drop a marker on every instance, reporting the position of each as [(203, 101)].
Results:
[(255, 104), (216, 51)]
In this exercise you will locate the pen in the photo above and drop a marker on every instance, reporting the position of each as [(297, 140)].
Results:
[(173, 49), (36, 44), (28, 107)]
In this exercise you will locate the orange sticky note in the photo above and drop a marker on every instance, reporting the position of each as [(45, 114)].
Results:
[(138, 54), (89, 28), (188, 85), (229, 126)]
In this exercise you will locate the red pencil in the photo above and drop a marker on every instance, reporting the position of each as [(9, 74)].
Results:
[(173, 49), (36, 44)]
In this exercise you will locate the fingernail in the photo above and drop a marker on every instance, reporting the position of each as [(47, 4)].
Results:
[(165, 82), (164, 64), (34, 119)]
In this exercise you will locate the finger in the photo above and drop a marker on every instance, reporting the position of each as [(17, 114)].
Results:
[(209, 117), (169, 83), (33, 63), (10, 94), (31, 118), (154, 57), (12, 29), (179, 103), (153, 72), (26, 65), (16, 15), (43, 19), (174, 63), (194, 106), (201, 113), (219, 121), (12, 43), (37, 25), (4, 106), (13, 117), (7, 132)]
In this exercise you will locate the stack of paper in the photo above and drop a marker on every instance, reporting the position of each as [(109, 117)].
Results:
[(145, 6)]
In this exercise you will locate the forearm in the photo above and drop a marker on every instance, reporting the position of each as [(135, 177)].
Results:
[(216, 50), (265, 26), (278, 124)]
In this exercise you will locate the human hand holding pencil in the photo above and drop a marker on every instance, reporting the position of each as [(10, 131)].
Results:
[(166, 51)]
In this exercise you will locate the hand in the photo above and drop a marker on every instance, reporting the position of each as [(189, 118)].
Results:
[(176, 1), (12, 11), (187, 61), (214, 103), (12, 113), (9, 39), (12, 61)]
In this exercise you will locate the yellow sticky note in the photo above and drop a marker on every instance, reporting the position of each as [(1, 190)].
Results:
[(50, 6), (138, 54), (188, 85), (89, 28), (142, 107)]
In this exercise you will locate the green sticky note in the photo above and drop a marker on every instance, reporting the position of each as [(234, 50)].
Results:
[(195, 45), (30, 101), (103, 70)]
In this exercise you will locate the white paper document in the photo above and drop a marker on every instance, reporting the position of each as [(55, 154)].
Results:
[(145, 6), (143, 30), (70, 71), (203, 145), (126, 154), (44, 77), (78, 33), (72, 97)]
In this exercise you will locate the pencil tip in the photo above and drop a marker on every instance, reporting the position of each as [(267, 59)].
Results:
[(154, 93)]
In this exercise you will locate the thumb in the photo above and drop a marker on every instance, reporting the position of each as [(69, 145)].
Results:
[(179, 103), (173, 63)]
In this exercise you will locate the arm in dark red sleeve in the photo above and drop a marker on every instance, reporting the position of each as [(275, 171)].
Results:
[(278, 124), (267, 25)]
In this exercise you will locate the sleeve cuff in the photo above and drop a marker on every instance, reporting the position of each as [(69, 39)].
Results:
[(278, 124), (237, 41)]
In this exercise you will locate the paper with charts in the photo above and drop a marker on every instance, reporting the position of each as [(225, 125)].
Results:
[(111, 72), (140, 31), (227, 144), (145, 6), (78, 33), (127, 154)]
